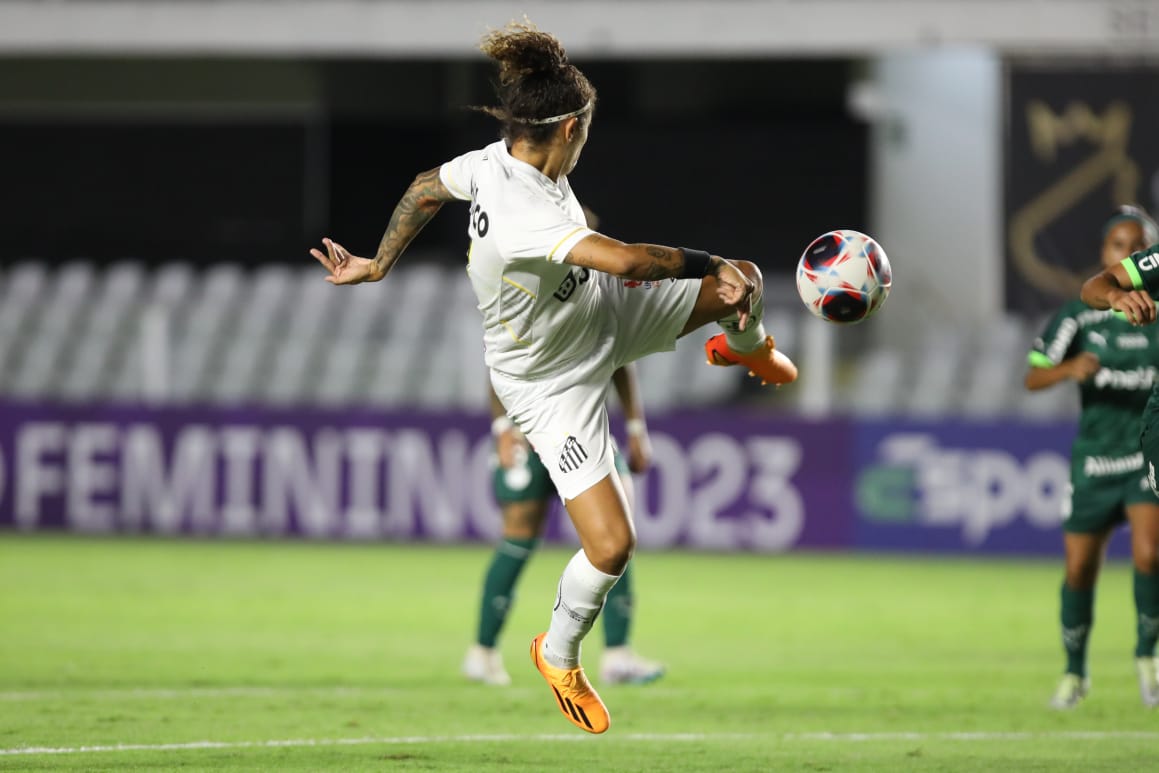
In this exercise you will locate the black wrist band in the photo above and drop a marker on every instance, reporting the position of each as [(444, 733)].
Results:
[(696, 263)]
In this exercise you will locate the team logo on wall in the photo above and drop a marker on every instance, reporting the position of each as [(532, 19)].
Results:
[(1076, 147)]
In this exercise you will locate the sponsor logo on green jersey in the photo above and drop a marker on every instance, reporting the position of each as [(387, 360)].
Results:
[(1136, 378)]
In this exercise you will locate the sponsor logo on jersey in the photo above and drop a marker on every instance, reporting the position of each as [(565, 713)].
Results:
[(1136, 378), (1132, 341), (646, 284), (1098, 466), (1149, 262), (573, 455), (1098, 339), (570, 282)]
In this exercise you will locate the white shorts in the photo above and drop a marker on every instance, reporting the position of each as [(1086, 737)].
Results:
[(565, 416)]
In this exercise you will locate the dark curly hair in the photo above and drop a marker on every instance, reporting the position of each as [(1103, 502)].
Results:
[(535, 82)]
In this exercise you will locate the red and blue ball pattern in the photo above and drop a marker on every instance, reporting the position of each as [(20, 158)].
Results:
[(844, 276)]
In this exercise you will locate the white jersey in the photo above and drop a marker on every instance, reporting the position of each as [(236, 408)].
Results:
[(540, 315)]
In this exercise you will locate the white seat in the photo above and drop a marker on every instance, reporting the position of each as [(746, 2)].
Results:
[(343, 360), (934, 390), (877, 385), (172, 284), (22, 292), (389, 377)]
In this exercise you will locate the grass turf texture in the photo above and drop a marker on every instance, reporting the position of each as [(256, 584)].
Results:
[(350, 654)]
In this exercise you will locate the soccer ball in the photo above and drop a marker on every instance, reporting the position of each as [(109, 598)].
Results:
[(844, 276)]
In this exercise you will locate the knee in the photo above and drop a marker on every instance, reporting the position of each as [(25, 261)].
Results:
[(612, 553), (753, 272), (1144, 556), (1081, 575)]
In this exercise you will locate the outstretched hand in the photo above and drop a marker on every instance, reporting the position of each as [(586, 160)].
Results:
[(734, 289), (346, 268)]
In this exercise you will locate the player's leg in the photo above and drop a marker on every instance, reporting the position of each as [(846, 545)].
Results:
[(621, 664), (752, 347), (1084, 555), (607, 538), (1142, 504), (566, 421), (1144, 520), (525, 494)]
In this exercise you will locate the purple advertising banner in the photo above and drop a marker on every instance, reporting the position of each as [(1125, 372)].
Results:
[(991, 487), (735, 480), (720, 481)]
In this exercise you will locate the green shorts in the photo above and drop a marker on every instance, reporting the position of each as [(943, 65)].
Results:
[(1101, 488), (532, 482)]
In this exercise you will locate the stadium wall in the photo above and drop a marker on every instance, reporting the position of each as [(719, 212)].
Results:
[(721, 481)]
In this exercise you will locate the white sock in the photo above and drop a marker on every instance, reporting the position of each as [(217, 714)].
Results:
[(753, 336), (582, 589)]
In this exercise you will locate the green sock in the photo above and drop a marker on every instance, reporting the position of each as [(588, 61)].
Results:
[(499, 587), (1147, 607), (618, 610), (1078, 615)]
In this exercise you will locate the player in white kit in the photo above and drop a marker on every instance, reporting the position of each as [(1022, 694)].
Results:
[(563, 307)]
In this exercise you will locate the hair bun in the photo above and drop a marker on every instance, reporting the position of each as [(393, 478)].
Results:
[(521, 49)]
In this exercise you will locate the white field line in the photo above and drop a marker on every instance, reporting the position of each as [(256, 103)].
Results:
[(258, 691), (1093, 735), (242, 691)]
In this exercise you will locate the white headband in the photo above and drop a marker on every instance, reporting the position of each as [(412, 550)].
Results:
[(556, 118)]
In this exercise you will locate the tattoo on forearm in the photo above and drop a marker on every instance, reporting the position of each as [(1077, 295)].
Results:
[(665, 262), (418, 205)]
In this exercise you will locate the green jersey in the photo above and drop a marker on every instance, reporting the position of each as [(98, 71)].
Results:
[(1143, 268), (1113, 399)]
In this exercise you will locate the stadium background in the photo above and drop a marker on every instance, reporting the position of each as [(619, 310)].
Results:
[(168, 363), (164, 186)]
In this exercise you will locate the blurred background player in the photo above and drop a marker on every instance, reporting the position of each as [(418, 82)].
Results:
[(1104, 353), (525, 491)]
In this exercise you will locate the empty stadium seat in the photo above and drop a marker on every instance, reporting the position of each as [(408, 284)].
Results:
[(281, 335)]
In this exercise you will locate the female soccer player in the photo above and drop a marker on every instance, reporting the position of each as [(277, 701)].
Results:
[(525, 491), (1113, 363), (559, 317)]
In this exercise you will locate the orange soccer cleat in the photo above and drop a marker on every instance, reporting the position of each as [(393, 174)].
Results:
[(765, 363), (577, 700)]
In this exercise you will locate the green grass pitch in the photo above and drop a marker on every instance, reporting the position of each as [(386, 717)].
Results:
[(151, 654)]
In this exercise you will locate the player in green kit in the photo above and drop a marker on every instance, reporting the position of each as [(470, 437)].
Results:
[(525, 492), (1113, 361)]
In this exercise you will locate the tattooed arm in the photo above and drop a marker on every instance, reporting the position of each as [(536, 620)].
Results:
[(630, 261), (651, 262), (418, 205), (642, 262)]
